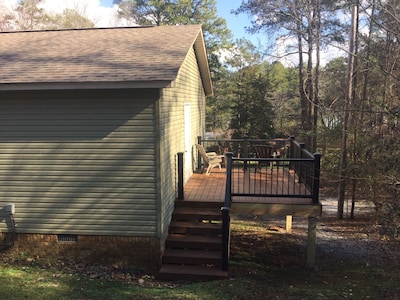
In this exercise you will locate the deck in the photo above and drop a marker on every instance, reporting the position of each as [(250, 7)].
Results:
[(283, 194), (281, 185), (279, 193)]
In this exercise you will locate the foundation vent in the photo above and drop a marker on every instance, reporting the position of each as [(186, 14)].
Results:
[(67, 238)]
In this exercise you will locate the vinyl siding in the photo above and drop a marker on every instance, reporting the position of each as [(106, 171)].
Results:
[(79, 162), (188, 89)]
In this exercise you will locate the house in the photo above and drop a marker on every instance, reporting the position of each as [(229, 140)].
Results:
[(91, 124)]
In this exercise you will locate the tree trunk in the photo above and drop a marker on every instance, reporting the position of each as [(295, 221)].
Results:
[(303, 97), (317, 25), (348, 103)]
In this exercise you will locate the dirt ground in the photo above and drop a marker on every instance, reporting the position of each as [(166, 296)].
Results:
[(357, 238), (347, 251)]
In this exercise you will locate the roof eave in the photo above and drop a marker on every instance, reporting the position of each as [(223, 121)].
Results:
[(200, 49), (101, 85)]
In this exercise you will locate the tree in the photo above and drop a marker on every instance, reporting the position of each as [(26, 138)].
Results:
[(146, 12), (284, 98), (218, 109), (26, 16), (252, 112), (332, 94), (6, 18), (179, 12), (70, 18), (349, 105)]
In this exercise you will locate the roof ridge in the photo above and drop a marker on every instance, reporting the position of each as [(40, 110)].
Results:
[(96, 28), (79, 29)]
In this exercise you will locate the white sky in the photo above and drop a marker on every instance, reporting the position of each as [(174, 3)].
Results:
[(92, 9)]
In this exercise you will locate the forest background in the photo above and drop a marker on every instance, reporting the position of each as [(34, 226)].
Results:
[(347, 109)]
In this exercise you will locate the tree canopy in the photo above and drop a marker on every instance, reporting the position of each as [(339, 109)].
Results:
[(179, 12)]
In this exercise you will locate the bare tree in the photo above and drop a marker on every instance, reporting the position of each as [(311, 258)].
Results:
[(349, 101), (27, 15)]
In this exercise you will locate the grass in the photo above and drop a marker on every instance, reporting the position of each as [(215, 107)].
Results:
[(264, 265)]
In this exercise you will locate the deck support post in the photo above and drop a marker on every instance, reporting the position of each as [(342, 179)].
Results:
[(311, 241), (289, 219)]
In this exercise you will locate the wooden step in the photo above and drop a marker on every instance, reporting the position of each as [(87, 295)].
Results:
[(200, 228), (196, 214), (199, 204), (190, 273), (193, 242), (192, 257), (193, 246)]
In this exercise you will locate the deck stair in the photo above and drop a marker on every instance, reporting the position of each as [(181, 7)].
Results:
[(193, 246)]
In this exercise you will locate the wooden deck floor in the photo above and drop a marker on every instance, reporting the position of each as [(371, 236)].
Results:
[(202, 187)]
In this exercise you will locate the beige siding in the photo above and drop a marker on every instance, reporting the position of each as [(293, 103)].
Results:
[(188, 89), (79, 163)]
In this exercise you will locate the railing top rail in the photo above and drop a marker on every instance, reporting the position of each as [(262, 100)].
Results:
[(272, 159), (241, 140), (308, 153), (221, 140), (302, 148)]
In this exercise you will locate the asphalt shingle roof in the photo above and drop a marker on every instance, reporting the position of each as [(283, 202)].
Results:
[(137, 54)]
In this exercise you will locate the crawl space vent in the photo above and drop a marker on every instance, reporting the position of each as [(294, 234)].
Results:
[(67, 238)]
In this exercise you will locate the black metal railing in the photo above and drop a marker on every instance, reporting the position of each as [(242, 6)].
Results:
[(292, 175), (251, 180)]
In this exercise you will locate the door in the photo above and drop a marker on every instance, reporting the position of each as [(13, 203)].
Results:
[(187, 172)]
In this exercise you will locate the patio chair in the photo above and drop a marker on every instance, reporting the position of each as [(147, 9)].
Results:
[(264, 151), (210, 158)]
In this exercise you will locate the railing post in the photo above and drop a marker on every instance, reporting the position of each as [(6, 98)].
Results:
[(245, 147), (225, 236), (180, 176), (228, 187), (292, 165), (317, 171), (198, 154), (299, 167), (291, 150), (245, 150)]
